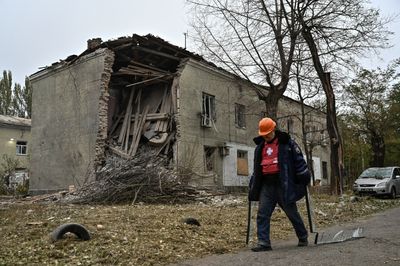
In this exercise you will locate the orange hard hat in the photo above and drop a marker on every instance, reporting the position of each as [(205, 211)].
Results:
[(266, 126)]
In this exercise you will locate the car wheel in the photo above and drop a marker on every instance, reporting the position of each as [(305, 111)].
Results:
[(393, 193)]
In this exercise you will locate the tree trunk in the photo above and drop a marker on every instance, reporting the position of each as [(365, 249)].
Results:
[(333, 131), (271, 102), (378, 150)]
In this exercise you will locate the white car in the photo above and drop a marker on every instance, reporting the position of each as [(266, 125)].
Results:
[(378, 181)]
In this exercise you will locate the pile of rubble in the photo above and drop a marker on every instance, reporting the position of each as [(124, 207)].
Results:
[(144, 178)]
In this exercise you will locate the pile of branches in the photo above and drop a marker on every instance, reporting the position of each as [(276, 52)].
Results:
[(144, 178)]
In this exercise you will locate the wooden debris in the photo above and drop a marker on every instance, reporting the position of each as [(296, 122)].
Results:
[(125, 123)]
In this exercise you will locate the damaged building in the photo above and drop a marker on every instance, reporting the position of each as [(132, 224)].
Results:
[(122, 94)]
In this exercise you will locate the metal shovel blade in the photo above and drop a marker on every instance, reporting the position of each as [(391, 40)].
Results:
[(338, 236)]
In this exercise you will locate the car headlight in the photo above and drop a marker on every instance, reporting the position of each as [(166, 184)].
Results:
[(381, 184), (355, 184)]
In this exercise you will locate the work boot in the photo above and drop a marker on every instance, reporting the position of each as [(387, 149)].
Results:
[(303, 242), (260, 248)]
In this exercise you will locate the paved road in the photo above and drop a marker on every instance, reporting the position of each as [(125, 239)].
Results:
[(381, 246)]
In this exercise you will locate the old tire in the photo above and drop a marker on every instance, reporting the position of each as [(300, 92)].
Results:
[(392, 193), (191, 221), (79, 230)]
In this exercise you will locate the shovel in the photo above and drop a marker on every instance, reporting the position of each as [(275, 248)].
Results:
[(330, 237), (249, 223)]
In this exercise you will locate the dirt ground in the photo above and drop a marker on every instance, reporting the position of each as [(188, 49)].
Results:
[(144, 234)]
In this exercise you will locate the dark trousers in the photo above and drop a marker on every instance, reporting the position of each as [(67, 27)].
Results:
[(270, 195)]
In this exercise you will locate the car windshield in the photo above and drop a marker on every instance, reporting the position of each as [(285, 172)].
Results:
[(378, 173)]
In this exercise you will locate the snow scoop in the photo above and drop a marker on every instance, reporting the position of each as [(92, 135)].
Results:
[(330, 237)]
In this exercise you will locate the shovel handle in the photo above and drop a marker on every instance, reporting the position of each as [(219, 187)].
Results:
[(309, 214), (248, 223)]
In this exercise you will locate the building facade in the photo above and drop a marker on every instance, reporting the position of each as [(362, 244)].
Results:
[(15, 141), (119, 92)]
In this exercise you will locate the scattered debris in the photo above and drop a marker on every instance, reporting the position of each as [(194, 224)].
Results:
[(354, 199)]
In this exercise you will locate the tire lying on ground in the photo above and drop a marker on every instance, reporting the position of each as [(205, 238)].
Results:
[(79, 230), (191, 221)]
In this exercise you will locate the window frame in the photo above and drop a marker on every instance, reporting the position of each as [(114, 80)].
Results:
[(240, 115), (242, 157), (21, 147), (208, 111)]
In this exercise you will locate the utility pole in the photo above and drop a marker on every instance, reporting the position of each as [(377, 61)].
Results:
[(185, 34)]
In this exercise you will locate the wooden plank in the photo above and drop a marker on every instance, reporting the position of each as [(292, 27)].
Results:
[(133, 62), (128, 129), (114, 127), (133, 149), (124, 124), (136, 121), (147, 80), (155, 116), (170, 136), (150, 117), (156, 53), (162, 107), (119, 152)]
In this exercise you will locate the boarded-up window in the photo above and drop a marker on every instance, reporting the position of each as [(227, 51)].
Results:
[(209, 154), (242, 163), (240, 115)]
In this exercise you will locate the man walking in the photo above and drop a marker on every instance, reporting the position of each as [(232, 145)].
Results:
[(280, 177)]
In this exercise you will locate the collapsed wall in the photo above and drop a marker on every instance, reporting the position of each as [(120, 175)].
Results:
[(142, 125)]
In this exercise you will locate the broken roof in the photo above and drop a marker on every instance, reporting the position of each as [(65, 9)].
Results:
[(6, 121), (154, 53)]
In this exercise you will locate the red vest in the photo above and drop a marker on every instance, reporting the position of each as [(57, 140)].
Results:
[(269, 161)]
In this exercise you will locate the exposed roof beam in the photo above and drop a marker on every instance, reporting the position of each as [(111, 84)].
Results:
[(147, 50)]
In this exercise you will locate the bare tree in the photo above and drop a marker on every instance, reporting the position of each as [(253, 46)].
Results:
[(256, 40), (335, 32), (307, 89), (253, 39)]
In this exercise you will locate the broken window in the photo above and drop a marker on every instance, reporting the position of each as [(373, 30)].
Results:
[(22, 147), (209, 153), (242, 163), (208, 115), (240, 118)]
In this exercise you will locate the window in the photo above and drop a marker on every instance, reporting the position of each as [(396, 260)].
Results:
[(323, 138), (242, 163), (209, 153), (208, 115), (22, 148), (240, 118), (290, 126), (310, 133), (324, 170)]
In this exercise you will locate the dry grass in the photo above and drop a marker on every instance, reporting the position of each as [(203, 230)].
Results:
[(148, 234)]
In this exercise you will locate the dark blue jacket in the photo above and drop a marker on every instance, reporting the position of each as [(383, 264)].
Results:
[(293, 170)]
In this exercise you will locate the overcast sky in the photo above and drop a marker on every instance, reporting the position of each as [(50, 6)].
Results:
[(36, 33)]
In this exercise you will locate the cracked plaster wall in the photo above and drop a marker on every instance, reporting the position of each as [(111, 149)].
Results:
[(69, 122)]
